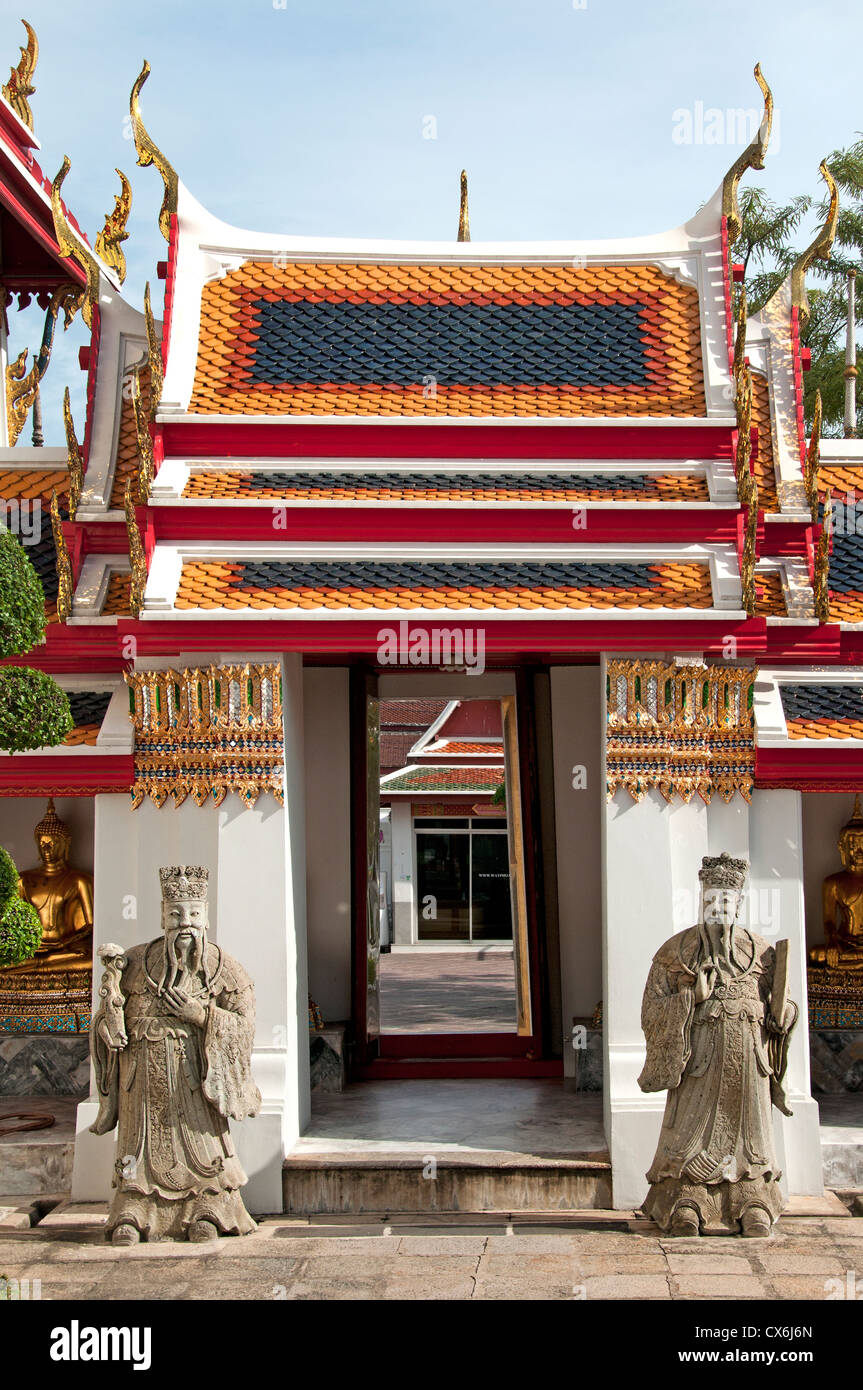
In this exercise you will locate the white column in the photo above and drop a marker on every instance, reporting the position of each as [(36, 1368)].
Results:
[(328, 838), (405, 905)]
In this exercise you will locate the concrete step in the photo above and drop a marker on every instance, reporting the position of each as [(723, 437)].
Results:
[(412, 1183), (38, 1161)]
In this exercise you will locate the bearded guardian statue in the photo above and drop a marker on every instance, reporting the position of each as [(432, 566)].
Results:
[(717, 1019), (171, 1043)]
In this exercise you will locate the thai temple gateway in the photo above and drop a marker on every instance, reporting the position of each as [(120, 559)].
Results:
[(447, 602)]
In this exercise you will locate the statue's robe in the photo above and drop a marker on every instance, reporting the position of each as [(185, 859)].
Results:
[(722, 1071), (171, 1091)]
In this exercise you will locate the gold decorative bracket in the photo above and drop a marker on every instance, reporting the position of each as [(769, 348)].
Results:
[(751, 158), (818, 249), (149, 153), (463, 219), (64, 565), (749, 556), (75, 457), (20, 87), (743, 455), (108, 246), (21, 385)]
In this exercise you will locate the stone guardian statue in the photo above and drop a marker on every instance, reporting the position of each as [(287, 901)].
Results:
[(717, 1019), (171, 1043)]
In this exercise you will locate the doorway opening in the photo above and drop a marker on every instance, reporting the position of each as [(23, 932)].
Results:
[(445, 967)]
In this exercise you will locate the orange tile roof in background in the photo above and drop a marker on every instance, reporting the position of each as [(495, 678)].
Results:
[(234, 485), (231, 331)]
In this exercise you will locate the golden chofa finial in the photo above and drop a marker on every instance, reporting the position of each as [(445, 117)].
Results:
[(19, 87), (149, 153), (751, 158), (108, 241), (70, 245), (819, 248), (463, 220)]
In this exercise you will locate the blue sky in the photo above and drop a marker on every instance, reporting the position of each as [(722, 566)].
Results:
[(312, 117)]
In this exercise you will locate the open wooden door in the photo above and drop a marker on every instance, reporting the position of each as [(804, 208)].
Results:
[(515, 828), (365, 875)]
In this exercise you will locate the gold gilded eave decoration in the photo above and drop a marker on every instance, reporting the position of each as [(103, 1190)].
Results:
[(146, 463), (819, 248), (149, 153), (463, 219), (205, 731), (137, 558), (21, 385), (751, 158), (108, 243), (64, 566), (680, 729), (749, 555), (812, 466), (74, 456), (20, 87), (821, 578), (154, 347), (743, 453), (71, 246)]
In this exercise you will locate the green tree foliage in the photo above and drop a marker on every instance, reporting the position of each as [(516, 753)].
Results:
[(771, 240), (34, 711), (20, 927)]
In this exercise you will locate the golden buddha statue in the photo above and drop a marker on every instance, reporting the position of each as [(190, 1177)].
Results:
[(843, 903), (63, 897)]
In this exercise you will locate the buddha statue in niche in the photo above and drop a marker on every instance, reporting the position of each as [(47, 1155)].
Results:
[(843, 904), (63, 897)]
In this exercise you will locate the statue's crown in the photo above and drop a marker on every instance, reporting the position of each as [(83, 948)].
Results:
[(51, 824), (723, 872), (183, 882)]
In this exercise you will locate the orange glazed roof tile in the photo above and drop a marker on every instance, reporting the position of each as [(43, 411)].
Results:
[(117, 601), (765, 464), (443, 340), (447, 487), (366, 585), (769, 595), (126, 461)]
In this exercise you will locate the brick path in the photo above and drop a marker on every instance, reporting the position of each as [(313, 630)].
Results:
[(600, 1256)]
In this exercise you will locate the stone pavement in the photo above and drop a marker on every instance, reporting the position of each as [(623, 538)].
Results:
[(588, 1255)]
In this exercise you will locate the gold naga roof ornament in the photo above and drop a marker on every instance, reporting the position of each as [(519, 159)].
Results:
[(751, 158), (75, 457), (821, 579), (463, 219), (818, 249), (19, 87), (812, 465), (740, 342), (64, 565), (154, 347), (107, 246), (137, 559), (21, 385), (149, 153), (146, 462), (72, 246)]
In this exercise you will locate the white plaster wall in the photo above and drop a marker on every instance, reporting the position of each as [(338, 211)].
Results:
[(405, 925), (19, 816), (257, 862), (652, 855), (328, 838), (824, 814), (576, 711)]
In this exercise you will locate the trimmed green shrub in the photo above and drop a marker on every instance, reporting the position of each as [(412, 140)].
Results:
[(8, 876), (20, 931), (22, 600), (34, 711)]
